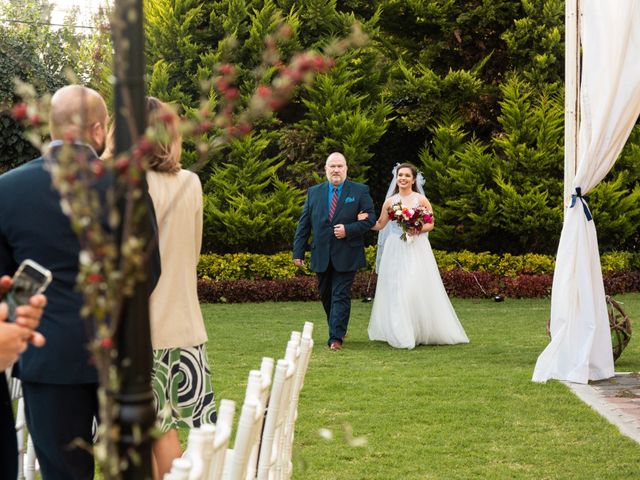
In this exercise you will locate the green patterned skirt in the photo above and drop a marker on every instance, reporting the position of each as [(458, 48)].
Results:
[(182, 388)]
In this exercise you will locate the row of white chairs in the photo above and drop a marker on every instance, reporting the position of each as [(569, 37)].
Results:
[(263, 443), (264, 440)]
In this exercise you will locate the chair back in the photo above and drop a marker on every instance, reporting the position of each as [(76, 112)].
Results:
[(248, 432), (195, 453), (223, 429), (304, 354), (273, 432), (180, 469)]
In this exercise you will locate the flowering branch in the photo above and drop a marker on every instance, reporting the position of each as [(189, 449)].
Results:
[(108, 270)]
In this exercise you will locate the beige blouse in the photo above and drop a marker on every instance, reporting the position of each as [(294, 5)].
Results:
[(176, 319)]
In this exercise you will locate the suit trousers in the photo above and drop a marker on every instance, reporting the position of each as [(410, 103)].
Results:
[(56, 416), (335, 294), (8, 441)]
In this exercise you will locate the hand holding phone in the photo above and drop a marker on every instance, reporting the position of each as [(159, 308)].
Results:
[(30, 279)]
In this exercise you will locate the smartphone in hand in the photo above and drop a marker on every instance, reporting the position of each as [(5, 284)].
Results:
[(30, 279)]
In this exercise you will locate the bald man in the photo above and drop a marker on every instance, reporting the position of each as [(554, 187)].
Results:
[(59, 380), (330, 213)]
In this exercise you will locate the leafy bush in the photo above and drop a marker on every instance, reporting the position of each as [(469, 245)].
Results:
[(615, 261), (251, 266), (235, 266)]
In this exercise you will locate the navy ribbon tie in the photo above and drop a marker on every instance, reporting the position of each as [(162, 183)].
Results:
[(583, 201)]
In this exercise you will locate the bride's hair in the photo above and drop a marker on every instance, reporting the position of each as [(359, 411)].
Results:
[(414, 172)]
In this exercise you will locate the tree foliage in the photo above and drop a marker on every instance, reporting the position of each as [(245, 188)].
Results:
[(247, 206), (470, 90), (33, 51)]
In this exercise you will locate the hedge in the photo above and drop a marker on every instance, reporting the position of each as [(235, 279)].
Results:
[(458, 283), (248, 266)]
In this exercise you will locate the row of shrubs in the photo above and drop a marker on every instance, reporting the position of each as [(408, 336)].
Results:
[(458, 283), (244, 277), (250, 266)]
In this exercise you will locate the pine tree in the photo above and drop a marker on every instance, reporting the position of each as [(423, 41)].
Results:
[(342, 119), (247, 206), (505, 195)]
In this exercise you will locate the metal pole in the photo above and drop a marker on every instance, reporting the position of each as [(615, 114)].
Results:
[(571, 94), (136, 412)]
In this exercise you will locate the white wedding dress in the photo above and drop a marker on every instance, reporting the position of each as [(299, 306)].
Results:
[(411, 306)]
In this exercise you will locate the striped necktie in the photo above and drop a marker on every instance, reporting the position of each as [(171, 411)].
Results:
[(334, 203)]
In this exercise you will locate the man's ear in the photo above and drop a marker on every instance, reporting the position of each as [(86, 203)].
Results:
[(98, 135)]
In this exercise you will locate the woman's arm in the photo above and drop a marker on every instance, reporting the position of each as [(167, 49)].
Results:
[(383, 218)]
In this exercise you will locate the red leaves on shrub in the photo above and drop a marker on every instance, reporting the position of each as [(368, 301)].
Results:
[(528, 286), (239, 291), (458, 283), (622, 281), (464, 284)]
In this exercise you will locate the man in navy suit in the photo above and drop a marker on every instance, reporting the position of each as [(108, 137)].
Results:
[(59, 380), (337, 247)]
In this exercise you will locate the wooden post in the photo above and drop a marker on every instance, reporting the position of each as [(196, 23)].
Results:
[(572, 95), (136, 411)]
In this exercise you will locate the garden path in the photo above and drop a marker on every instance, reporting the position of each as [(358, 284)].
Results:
[(617, 399)]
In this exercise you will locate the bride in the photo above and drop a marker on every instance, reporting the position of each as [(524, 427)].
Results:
[(411, 306)]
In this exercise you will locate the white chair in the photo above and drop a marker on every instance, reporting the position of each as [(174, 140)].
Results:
[(304, 354), (209, 434), (180, 469), (262, 446), (223, 429), (195, 453), (273, 433), (248, 432), (266, 372)]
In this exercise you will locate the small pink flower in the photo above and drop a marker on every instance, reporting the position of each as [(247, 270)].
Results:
[(244, 128), (122, 163), (284, 32), (97, 167), (226, 69), (263, 91), (94, 278), (231, 93), (19, 111)]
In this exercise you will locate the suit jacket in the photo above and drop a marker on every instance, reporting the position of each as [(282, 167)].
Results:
[(347, 254), (32, 225)]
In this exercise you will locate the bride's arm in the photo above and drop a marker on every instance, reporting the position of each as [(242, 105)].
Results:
[(383, 218)]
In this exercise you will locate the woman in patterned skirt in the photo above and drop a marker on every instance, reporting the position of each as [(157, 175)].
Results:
[(181, 377)]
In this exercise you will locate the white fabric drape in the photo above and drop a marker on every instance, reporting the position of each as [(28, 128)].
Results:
[(580, 347)]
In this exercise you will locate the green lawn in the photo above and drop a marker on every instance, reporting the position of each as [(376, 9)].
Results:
[(448, 412)]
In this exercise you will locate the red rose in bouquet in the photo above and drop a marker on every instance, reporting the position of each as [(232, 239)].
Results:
[(409, 218)]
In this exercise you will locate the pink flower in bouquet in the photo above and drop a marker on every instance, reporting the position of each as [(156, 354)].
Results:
[(409, 219)]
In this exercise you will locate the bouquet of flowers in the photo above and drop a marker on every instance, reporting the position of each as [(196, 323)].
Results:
[(409, 218)]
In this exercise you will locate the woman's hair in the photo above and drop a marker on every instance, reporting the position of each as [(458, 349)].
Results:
[(167, 145), (414, 173)]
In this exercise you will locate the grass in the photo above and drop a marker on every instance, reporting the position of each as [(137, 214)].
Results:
[(435, 412)]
